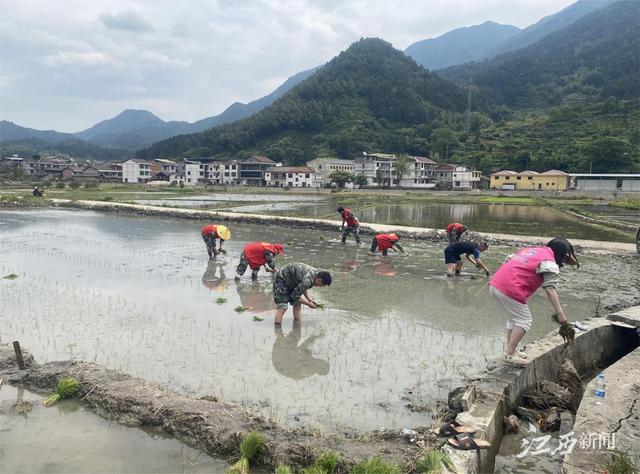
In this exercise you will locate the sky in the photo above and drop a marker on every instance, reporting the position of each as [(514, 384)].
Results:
[(68, 64)]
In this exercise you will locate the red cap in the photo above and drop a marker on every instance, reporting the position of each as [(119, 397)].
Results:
[(279, 249)]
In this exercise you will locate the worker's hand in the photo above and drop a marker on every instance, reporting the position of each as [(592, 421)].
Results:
[(311, 304), (562, 319), (487, 274)]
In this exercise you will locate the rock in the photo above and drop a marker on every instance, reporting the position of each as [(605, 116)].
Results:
[(550, 421), (568, 378), (567, 420), (547, 395), (511, 424)]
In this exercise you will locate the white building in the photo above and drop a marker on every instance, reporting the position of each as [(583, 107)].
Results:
[(326, 166), (605, 182), (293, 177), (136, 171), (457, 177), (379, 168), (211, 172)]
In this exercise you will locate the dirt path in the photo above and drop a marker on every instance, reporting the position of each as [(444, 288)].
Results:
[(208, 424), (420, 233)]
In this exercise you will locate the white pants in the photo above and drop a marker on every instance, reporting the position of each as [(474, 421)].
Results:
[(519, 314)]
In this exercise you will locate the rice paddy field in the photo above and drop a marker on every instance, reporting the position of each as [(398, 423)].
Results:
[(140, 295)]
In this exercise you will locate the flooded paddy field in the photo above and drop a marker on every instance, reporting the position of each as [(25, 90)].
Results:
[(481, 217), (139, 295), (67, 438)]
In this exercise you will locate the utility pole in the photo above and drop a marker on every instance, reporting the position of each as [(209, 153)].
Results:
[(467, 124)]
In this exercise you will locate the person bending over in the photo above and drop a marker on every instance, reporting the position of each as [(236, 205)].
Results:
[(257, 254), (210, 233), (352, 224), (384, 242), (470, 250), (291, 286)]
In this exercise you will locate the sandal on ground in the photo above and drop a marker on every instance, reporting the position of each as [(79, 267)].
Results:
[(522, 354), (453, 429), (466, 442), (514, 359)]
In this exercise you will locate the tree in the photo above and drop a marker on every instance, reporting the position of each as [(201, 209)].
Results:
[(361, 180), (401, 167), (444, 141), (610, 155), (341, 177), (379, 179)]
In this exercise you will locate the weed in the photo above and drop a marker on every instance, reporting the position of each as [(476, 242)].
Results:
[(240, 309), (65, 388), (434, 461), (283, 469), (328, 461), (10, 276), (621, 463), (220, 300), (376, 466), (315, 469), (256, 318), (250, 445)]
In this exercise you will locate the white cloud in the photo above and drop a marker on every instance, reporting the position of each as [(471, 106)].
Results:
[(191, 59)]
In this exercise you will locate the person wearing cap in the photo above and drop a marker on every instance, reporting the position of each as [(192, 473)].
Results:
[(210, 233), (455, 231), (291, 286), (384, 242), (352, 224), (470, 250), (257, 254), (519, 278)]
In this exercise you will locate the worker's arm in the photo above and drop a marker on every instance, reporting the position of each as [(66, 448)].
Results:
[(480, 264), (399, 247), (552, 294), (299, 294), (270, 266), (308, 297)]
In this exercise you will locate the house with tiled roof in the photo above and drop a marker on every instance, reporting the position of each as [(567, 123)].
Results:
[(293, 177), (551, 180), (251, 170)]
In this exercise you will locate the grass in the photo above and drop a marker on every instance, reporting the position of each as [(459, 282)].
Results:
[(508, 200), (621, 463), (434, 461), (10, 276), (325, 464), (256, 318), (250, 446), (376, 466), (65, 388), (220, 300), (283, 469), (240, 309)]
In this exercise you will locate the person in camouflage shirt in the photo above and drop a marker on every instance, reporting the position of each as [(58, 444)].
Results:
[(290, 287)]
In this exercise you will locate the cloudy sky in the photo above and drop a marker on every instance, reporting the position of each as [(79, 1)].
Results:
[(68, 64)]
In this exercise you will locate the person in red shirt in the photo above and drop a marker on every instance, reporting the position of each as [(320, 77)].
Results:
[(352, 222), (257, 254), (210, 233), (384, 242), (455, 231)]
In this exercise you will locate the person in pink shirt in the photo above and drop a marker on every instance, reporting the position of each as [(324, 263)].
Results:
[(519, 278)]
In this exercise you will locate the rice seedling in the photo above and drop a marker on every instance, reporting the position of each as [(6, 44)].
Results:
[(621, 463), (23, 408), (65, 388), (433, 462), (220, 300), (376, 466), (328, 461), (315, 469), (320, 305), (240, 309), (283, 469), (256, 318), (250, 445), (10, 276)]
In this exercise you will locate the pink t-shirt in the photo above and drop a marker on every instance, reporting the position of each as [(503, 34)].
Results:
[(519, 277)]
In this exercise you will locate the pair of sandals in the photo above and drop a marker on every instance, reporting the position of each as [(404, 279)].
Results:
[(461, 437)]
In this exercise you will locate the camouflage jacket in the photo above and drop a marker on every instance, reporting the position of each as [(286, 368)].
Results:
[(297, 277)]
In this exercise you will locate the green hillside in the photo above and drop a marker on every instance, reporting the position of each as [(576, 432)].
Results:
[(371, 97)]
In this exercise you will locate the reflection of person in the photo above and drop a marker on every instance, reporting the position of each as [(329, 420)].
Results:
[(520, 277), (210, 233), (254, 296), (384, 242), (453, 252), (211, 280), (455, 231), (294, 359), (352, 222), (290, 286), (257, 254), (384, 268)]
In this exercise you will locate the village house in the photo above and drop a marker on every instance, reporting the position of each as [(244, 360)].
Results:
[(251, 170), (161, 169), (136, 171), (380, 170), (326, 166), (292, 177), (457, 177), (81, 174), (552, 180)]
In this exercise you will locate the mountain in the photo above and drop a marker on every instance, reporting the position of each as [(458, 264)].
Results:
[(594, 57), (547, 25), (370, 97), (9, 131), (72, 147), (461, 45)]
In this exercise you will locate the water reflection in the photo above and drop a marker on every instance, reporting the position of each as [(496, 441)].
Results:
[(214, 277), (385, 267), (293, 358), (256, 296)]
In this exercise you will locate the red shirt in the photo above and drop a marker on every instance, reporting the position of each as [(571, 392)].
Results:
[(254, 253), (386, 241), (459, 228), (210, 229), (349, 218)]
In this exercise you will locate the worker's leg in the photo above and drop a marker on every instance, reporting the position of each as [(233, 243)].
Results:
[(345, 233), (385, 253), (242, 266), (206, 242), (374, 246), (279, 315), (519, 321), (280, 298), (459, 267), (297, 311), (356, 232), (451, 267), (254, 273)]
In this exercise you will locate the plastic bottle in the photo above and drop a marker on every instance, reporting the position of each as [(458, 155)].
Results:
[(601, 388)]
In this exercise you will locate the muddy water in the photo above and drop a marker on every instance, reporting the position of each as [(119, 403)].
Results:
[(67, 438), (138, 294)]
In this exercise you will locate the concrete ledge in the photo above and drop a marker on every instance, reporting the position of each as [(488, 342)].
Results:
[(630, 316), (500, 390), (420, 233), (614, 419)]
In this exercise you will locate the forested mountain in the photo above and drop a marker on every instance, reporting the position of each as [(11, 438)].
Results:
[(75, 148), (9, 131), (370, 97), (461, 45), (548, 25), (596, 56)]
